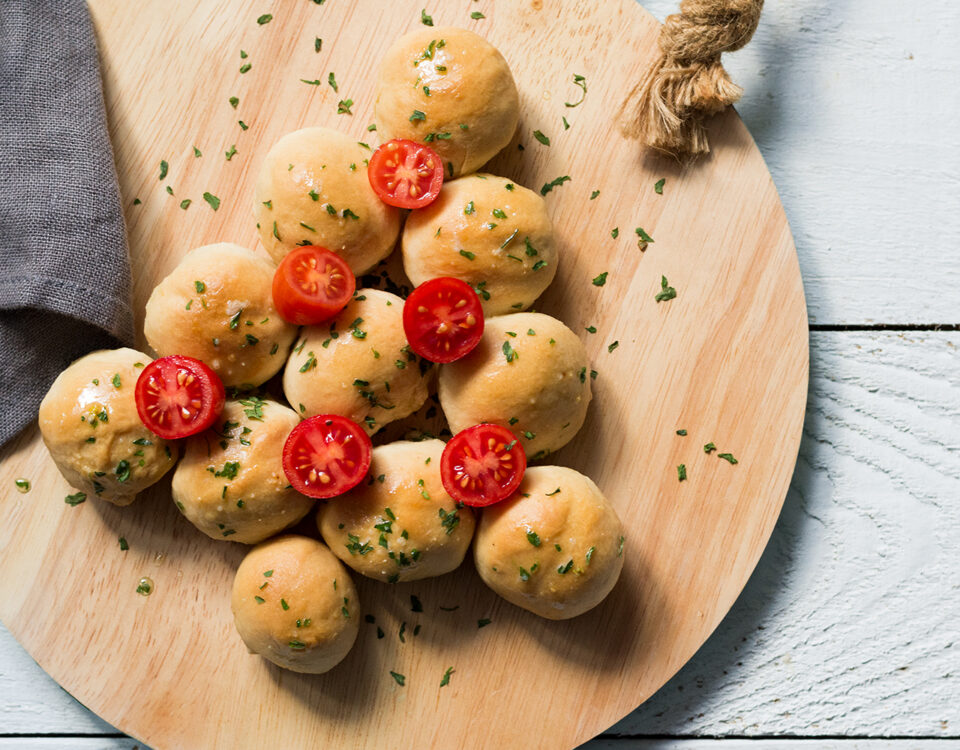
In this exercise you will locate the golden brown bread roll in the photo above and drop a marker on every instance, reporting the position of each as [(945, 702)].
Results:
[(217, 306), (230, 483), (490, 232), (401, 525), (294, 604), (555, 548), (89, 423), (358, 365), (313, 189), (451, 89), (529, 373)]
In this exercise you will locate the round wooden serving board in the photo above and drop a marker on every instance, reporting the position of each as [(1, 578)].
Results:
[(726, 360)]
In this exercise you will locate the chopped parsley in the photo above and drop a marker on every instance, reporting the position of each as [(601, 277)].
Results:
[(615, 232), (534, 538), (643, 238), (332, 80), (417, 116), (548, 186), (709, 448), (509, 352), (399, 678), (343, 107), (116, 380), (682, 433), (213, 200), (544, 139), (658, 186), (613, 346), (75, 499), (681, 472), (594, 194), (728, 457), (666, 292), (445, 680), (264, 19), (601, 279), (578, 80), (477, 15), (483, 622), (164, 169), (425, 19)]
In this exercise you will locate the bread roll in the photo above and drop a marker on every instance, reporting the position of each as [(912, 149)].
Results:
[(89, 423), (217, 306), (313, 189), (358, 365), (401, 525), (490, 232), (451, 89), (529, 373), (294, 604), (555, 548), (230, 483)]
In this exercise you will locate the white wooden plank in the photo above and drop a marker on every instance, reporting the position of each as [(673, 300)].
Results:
[(32, 703), (854, 106), (847, 627)]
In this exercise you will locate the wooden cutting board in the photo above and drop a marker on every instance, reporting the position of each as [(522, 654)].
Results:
[(726, 360)]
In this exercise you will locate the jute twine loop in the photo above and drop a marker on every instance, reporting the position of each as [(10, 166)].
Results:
[(688, 83)]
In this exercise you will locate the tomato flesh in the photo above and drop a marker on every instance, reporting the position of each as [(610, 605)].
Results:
[(406, 174), (482, 465), (312, 285), (443, 319), (326, 455), (178, 396)]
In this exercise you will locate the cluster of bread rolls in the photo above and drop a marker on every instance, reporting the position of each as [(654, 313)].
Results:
[(553, 548)]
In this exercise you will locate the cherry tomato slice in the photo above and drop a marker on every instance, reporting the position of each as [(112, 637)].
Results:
[(178, 396), (482, 465), (312, 285), (326, 455), (406, 174), (443, 319)]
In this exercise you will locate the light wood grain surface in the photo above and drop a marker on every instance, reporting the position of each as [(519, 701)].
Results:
[(812, 69), (727, 360)]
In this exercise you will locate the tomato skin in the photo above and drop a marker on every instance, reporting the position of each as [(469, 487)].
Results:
[(443, 319), (472, 459), (171, 385), (405, 174), (312, 285), (346, 453)]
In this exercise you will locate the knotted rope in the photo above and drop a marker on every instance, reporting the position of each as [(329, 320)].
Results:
[(667, 108)]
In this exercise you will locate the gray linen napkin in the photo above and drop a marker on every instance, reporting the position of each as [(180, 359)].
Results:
[(64, 265)]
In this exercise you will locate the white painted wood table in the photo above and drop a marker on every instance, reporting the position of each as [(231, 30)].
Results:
[(848, 634)]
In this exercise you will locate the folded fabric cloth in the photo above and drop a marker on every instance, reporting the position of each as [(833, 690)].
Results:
[(64, 265)]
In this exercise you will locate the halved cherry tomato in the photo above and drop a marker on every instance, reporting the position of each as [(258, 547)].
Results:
[(443, 319), (482, 465), (178, 396), (406, 174), (326, 455), (312, 285)]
